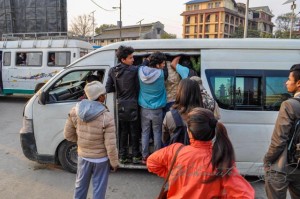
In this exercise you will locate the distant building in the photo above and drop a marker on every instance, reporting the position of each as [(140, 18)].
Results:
[(135, 32), (33, 16), (220, 18)]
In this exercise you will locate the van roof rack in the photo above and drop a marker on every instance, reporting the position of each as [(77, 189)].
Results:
[(40, 36)]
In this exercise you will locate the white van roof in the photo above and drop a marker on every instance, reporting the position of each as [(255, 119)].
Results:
[(55, 43), (249, 43)]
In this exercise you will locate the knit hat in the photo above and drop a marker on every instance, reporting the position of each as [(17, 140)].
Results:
[(199, 81), (94, 89)]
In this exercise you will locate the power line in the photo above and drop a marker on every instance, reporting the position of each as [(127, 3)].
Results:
[(102, 7)]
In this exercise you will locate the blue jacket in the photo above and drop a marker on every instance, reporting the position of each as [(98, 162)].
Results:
[(153, 93)]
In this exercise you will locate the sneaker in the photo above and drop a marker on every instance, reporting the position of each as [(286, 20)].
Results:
[(123, 160), (136, 160)]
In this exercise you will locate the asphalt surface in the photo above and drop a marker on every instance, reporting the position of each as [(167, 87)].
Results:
[(22, 178)]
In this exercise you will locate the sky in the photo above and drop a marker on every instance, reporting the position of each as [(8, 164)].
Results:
[(166, 11)]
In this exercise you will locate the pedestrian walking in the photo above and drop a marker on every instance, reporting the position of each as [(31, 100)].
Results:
[(93, 128)]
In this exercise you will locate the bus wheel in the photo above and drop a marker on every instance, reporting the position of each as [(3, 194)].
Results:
[(67, 155)]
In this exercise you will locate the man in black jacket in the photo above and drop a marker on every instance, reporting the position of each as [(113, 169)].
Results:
[(123, 79)]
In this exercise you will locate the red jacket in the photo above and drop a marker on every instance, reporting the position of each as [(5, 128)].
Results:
[(192, 167)]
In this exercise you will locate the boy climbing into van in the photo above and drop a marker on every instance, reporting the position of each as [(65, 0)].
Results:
[(123, 79)]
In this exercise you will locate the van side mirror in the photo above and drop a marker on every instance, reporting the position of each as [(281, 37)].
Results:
[(38, 87), (42, 98)]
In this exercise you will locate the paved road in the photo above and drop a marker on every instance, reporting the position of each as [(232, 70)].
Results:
[(22, 178)]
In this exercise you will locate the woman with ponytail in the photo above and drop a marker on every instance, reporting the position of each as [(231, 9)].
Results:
[(205, 168)]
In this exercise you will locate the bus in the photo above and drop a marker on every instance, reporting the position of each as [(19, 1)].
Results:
[(246, 77), (26, 63)]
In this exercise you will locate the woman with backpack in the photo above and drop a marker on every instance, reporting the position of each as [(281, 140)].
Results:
[(202, 169), (188, 97)]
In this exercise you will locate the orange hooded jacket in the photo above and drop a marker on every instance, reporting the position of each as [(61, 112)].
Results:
[(191, 168)]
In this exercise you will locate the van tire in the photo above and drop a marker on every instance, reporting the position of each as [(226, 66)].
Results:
[(67, 156)]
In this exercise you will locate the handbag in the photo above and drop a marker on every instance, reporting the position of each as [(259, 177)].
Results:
[(163, 192), (127, 109)]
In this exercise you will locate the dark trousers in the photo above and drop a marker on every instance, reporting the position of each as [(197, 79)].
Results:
[(277, 183), (129, 128)]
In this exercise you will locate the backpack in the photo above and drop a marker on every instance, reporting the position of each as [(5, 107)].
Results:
[(180, 134), (293, 152)]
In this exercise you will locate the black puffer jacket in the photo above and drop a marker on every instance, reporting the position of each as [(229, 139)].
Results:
[(126, 79)]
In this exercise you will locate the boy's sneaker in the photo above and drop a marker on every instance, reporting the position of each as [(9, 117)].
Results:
[(123, 160), (136, 160)]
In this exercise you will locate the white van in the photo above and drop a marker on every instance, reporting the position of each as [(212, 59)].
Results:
[(25, 63), (245, 76)]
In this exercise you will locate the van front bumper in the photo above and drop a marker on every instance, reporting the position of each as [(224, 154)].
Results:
[(28, 144)]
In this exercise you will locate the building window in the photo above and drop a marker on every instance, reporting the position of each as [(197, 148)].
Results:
[(200, 35), (241, 22), (196, 7), (207, 19), (206, 28), (195, 29), (236, 21), (226, 28), (216, 36), (189, 8), (227, 18), (201, 28), (206, 36), (201, 18), (187, 30), (217, 18), (187, 19), (210, 5), (217, 28), (158, 30), (187, 37), (232, 20), (196, 18), (217, 4), (111, 40)]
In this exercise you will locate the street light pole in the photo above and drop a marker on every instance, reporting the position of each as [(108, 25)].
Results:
[(293, 13), (246, 19), (93, 39), (120, 22)]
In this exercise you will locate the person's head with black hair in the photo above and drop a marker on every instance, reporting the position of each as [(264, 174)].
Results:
[(125, 55), (186, 61), (188, 96), (157, 60), (293, 82), (91, 78), (203, 126)]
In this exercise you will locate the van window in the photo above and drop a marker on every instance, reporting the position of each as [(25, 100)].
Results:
[(6, 58), (29, 58), (71, 86), (248, 89), (83, 52), (59, 58)]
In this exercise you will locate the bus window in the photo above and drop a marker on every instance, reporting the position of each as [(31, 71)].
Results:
[(59, 58), (6, 58), (29, 59)]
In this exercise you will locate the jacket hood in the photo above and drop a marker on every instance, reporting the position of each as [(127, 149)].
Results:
[(88, 110), (149, 75)]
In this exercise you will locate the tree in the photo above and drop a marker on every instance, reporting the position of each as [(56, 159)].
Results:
[(166, 35), (283, 27), (100, 29), (82, 26), (239, 33)]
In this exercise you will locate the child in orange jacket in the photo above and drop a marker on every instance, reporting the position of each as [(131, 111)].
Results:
[(203, 169)]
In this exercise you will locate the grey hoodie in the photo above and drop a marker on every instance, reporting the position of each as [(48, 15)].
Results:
[(149, 75), (88, 110)]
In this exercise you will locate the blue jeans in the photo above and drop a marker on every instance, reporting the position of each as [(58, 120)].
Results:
[(99, 174), (148, 117)]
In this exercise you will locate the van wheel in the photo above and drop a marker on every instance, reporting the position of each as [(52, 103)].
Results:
[(67, 155)]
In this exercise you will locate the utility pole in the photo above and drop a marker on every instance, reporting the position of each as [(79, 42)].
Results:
[(246, 19), (140, 22), (93, 19), (293, 7), (120, 22)]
